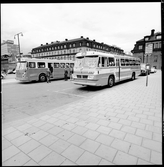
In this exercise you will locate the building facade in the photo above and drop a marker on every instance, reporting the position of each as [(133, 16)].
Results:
[(69, 48), (153, 54), (10, 49)]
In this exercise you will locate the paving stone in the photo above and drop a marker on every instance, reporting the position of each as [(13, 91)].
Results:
[(124, 122), (90, 145), (68, 162), (156, 158), (146, 121), (39, 153), (73, 153), (52, 159), (103, 151), (5, 144), (154, 129), (138, 125), (65, 134), (13, 135), (9, 152), (29, 146), (124, 159), (88, 158), (30, 131), (144, 133), (79, 130), (157, 137), (128, 129), (92, 126), (153, 145), (69, 126), (123, 116), (133, 139), (121, 145), (105, 162), (133, 118), (24, 127), (31, 163), (20, 140), (46, 126), (39, 123), (104, 139), (140, 152), (76, 139), (115, 125), (59, 146), (143, 162), (45, 117), (18, 160), (39, 135), (55, 130), (91, 134), (103, 122), (118, 134), (51, 120), (104, 129), (48, 140)]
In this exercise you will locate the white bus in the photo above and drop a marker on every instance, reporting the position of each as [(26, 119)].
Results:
[(32, 69), (100, 69)]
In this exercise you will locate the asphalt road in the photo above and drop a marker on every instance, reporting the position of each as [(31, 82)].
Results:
[(20, 100)]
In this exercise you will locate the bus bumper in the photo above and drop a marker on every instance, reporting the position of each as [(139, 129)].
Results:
[(86, 82)]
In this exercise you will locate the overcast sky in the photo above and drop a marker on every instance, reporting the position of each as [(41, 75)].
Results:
[(120, 24)]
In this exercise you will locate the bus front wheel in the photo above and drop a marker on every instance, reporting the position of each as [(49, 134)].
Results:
[(42, 77), (111, 81)]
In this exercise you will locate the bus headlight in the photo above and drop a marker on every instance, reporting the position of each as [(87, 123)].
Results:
[(74, 76)]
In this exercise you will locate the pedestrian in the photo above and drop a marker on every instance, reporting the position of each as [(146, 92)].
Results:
[(48, 74), (65, 73), (71, 72), (51, 70)]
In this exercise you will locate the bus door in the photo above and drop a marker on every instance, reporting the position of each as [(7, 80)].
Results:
[(118, 69), (56, 70), (51, 67)]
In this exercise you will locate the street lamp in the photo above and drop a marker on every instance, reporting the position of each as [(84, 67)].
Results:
[(18, 40)]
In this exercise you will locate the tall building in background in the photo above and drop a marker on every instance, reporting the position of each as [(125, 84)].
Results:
[(140, 50), (69, 48), (9, 50)]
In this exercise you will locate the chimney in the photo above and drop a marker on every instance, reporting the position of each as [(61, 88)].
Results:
[(66, 39), (81, 36), (51, 42), (152, 32), (87, 38), (94, 40), (41, 44), (46, 43)]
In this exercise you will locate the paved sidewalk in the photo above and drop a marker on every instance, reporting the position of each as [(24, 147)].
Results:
[(120, 125)]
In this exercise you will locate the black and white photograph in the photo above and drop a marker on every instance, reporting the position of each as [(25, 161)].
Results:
[(81, 83)]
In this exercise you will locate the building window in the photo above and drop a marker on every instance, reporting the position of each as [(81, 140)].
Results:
[(140, 47), (64, 46), (74, 45), (70, 45), (146, 39), (155, 58), (158, 37), (61, 47), (80, 43), (87, 44)]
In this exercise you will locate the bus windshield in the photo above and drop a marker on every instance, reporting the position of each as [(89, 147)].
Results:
[(21, 65), (88, 61)]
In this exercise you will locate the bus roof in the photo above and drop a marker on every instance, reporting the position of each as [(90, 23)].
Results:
[(46, 60), (93, 53)]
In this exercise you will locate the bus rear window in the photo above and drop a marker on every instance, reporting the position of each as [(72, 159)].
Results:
[(56, 65)]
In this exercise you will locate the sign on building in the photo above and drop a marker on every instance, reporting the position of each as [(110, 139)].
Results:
[(148, 48)]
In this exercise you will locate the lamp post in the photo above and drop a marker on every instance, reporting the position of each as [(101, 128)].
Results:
[(18, 41)]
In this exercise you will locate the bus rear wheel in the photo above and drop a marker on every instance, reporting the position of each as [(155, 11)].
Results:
[(111, 81), (42, 77)]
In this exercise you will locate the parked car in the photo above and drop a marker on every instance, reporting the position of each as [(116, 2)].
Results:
[(143, 69), (153, 70)]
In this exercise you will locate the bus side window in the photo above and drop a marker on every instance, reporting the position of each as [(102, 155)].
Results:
[(56, 65), (62, 65), (72, 65), (111, 61), (31, 64), (41, 65), (67, 65)]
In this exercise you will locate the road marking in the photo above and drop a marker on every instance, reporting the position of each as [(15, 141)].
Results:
[(69, 94)]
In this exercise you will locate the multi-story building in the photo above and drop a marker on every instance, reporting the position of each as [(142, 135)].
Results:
[(68, 48), (10, 49), (155, 56)]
